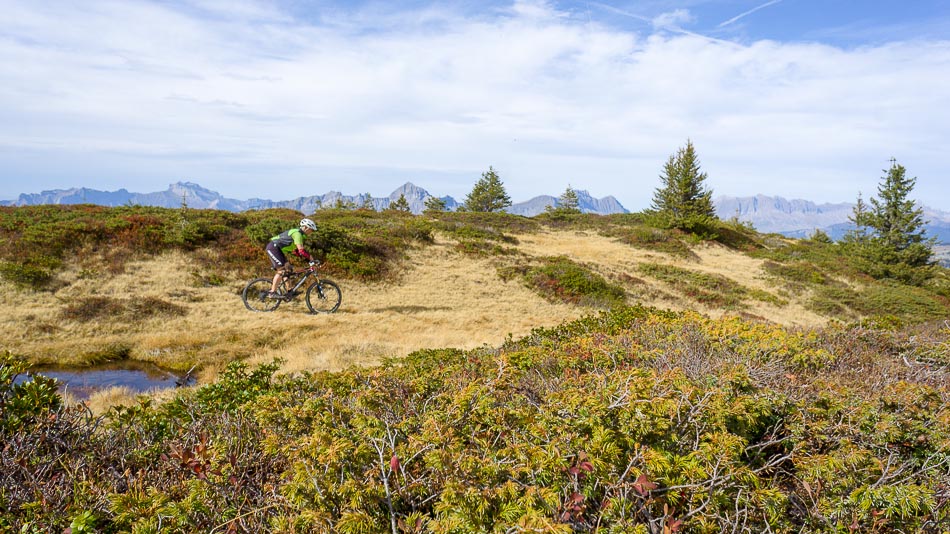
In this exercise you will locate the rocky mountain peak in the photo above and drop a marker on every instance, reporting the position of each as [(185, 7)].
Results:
[(411, 191)]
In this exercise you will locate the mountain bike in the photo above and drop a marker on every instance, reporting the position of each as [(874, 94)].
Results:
[(322, 296)]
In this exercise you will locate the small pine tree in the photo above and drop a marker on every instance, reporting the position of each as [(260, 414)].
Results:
[(820, 236), (896, 221), (488, 194), (400, 204), (434, 205), (344, 204), (683, 200), (567, 203), (186, 231), (859, 218), (367, 203)]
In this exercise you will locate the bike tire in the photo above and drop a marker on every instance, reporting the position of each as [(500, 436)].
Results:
[(324, 296), (255, 296)]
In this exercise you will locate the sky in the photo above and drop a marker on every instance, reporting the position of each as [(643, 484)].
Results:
[(804, 99)]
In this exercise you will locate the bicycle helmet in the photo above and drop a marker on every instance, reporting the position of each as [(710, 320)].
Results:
[(307, 223)]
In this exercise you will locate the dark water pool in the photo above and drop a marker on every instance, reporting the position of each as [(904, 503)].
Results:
[(82, 382)]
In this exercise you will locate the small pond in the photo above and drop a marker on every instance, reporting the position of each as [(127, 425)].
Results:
[(82, 382)]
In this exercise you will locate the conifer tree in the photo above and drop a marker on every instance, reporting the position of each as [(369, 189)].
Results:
[(683, 200), (896, 221), (488, 194), (569, 201), (566, 203), (367, 203), (434, 205), (400, 204), (859, 218), (342, 204)]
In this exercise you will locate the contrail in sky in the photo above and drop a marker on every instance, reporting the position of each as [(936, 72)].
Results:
[(749, 12), (620, 11), (676, 29)]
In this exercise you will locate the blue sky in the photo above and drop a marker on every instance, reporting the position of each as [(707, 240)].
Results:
[(280, 99)]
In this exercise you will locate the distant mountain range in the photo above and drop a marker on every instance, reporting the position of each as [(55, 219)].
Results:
[(800, 218), (195, 196), (793, 218)]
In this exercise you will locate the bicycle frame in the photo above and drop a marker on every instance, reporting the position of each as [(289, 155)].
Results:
[(288, 276)]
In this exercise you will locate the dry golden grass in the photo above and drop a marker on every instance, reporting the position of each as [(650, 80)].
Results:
[(618, 262), (100, 401), (443, 299)]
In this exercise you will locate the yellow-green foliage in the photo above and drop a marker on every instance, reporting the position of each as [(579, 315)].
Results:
[(669, 241), (845, 285), (483, 233), (709, 289), (910, 303), (563, 280), (35, 240), (625, 421)]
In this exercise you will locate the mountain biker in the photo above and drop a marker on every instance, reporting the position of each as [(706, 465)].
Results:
[(290, 241)]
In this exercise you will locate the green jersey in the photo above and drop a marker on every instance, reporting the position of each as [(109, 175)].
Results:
[(289, 241)]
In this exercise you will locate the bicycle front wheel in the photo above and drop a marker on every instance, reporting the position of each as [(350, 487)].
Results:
[(324, 296), (255, 296)]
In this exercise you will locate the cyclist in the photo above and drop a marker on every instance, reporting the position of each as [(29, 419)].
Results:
[(290, 241)]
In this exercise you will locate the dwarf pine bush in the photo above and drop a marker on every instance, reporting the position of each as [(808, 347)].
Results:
[(632, 420)]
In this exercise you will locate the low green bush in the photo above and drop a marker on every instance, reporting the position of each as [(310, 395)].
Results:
[(563, 280), (26, 276), (626, 421), (800, 272), (910, 304), (670, 242), (482, 234), (708, 289), (360, 244), (261, 231), (21, 403), (498, 223), (134, 308)]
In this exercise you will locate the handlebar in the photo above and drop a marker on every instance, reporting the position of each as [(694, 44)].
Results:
[(313, 267)]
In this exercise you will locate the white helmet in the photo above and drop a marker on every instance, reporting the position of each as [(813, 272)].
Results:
[(307, 223)]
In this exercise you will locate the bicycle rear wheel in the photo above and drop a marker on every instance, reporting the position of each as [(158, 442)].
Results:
[(255, 296), (324, 296)]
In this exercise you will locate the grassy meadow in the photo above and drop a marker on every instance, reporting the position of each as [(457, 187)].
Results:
[(485, 373)]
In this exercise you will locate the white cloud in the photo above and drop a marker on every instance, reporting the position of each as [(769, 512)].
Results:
[(673, 19), (436, 96)]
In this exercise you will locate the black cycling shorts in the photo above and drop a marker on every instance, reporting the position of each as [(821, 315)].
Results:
[(277, 258)]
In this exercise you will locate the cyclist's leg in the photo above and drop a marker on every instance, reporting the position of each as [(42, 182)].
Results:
[(278, 262)]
